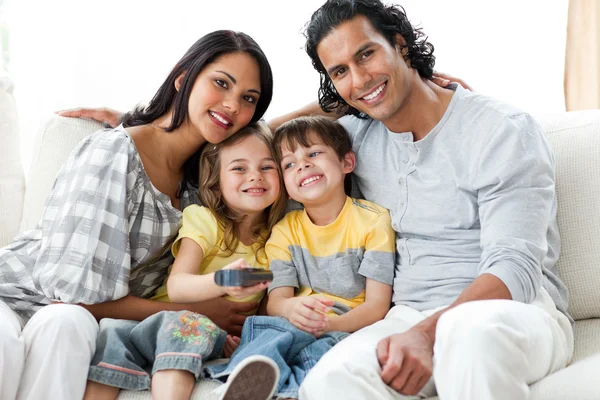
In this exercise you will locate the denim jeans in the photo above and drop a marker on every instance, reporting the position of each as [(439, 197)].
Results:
[(129, 352), (294, 350)]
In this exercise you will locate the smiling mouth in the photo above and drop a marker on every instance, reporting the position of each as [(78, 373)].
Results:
[(255, 190), (374, 93), (310, 180), (219, 118)]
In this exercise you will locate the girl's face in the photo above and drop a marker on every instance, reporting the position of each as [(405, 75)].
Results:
[(249, 179), (224, 96)]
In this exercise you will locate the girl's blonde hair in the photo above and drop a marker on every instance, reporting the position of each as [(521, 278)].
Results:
[(211, 197)]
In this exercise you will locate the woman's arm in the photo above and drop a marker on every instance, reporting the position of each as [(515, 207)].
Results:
[(104, 115), (378, 298)]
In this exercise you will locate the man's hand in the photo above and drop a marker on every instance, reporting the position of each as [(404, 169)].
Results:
[(308, 313), (104, 115), (226, 314), (406, 360)]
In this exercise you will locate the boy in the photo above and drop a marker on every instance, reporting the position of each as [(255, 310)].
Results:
[(333, 261)]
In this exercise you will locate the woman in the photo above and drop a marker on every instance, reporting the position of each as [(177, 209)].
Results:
[(116, 202)]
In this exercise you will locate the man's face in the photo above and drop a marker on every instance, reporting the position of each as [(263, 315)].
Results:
[(368, 73)]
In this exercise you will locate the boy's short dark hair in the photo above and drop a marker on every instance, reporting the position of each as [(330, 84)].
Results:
[(297, 131)]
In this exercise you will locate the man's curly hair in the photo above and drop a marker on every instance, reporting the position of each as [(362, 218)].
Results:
[(388, 20)]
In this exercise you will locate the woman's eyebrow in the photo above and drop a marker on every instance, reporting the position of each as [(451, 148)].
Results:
[(235, 82)]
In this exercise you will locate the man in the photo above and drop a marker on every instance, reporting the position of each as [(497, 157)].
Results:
[(479, 310)]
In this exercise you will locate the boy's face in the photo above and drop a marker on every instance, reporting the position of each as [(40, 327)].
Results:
[(315, 175)]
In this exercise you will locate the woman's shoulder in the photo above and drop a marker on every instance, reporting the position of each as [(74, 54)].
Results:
[(106, 144)]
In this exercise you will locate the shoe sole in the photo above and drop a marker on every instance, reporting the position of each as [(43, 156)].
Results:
[(253, 382)]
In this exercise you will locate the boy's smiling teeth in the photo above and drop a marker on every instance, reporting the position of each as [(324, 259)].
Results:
[(375, 93), (218, 117), (310, 180)]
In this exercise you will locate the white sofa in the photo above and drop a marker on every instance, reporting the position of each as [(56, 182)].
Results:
[(574, 137)]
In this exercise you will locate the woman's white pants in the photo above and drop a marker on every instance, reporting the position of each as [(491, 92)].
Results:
[(48, 357)]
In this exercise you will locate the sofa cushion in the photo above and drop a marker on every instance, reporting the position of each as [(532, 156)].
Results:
[(52, 146), (12, 183), (575, 141)]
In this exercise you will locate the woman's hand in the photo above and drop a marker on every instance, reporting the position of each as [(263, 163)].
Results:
[(104, 115), (225, 313), (443, 80)]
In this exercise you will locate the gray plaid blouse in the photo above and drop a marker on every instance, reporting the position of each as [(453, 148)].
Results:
[(101, 226)]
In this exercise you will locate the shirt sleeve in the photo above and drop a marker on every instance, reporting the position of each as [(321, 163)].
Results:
[(84, 254), (200, 225), (280, 257), (517, 204), (378, 262)]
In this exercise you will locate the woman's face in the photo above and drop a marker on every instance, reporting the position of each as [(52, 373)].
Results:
[(224, 96)]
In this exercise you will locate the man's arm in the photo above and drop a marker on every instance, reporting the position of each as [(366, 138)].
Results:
[(514, 181)]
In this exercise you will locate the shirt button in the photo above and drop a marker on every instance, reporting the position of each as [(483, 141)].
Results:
[(400, 181), (405, 160), (402, 204), (401, 248)]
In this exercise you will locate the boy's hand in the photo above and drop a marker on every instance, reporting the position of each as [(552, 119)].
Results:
[(231, 343), (241, 292), (308, 313)]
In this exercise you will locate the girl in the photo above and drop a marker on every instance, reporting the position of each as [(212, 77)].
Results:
[(116, 201), (240, 186)]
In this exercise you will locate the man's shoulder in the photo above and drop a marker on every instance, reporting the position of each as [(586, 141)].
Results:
[(484, 106)]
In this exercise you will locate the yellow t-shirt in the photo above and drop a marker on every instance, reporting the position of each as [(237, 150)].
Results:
[(200, 225), (333, 261)]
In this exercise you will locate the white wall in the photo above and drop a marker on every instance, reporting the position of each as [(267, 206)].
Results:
[(115, 53)]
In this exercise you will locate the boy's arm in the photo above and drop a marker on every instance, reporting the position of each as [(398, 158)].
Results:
[(377, 303), (305, 313)]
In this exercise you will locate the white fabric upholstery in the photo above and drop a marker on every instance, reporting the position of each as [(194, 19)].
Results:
[(575, 141), (12, 184), (52, 146)]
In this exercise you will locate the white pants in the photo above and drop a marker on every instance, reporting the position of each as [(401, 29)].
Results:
[(49, 356), (483, 350)]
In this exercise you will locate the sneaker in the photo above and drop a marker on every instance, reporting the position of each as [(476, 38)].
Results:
[(255, 378)]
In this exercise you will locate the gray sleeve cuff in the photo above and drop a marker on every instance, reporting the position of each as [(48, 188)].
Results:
[(284, 274), (379, 266)]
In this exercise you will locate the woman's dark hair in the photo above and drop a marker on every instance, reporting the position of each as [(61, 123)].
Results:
[(205, 51), (388, 20)]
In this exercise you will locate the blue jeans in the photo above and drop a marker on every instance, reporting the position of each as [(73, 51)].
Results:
[(294, 350), (129, 352)]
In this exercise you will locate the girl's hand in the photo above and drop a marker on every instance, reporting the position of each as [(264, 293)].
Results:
[(443, 80), (241, 292), (104, 115), (231, 343), (308, 313)]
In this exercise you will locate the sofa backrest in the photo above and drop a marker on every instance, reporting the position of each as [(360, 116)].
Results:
[(12, 182), (53, 144), (575, 140)]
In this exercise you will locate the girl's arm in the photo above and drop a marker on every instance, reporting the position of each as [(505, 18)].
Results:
[(378, 299), (184, 285)]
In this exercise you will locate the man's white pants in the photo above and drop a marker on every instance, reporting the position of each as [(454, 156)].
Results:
[(483, 350), (48, 357)]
